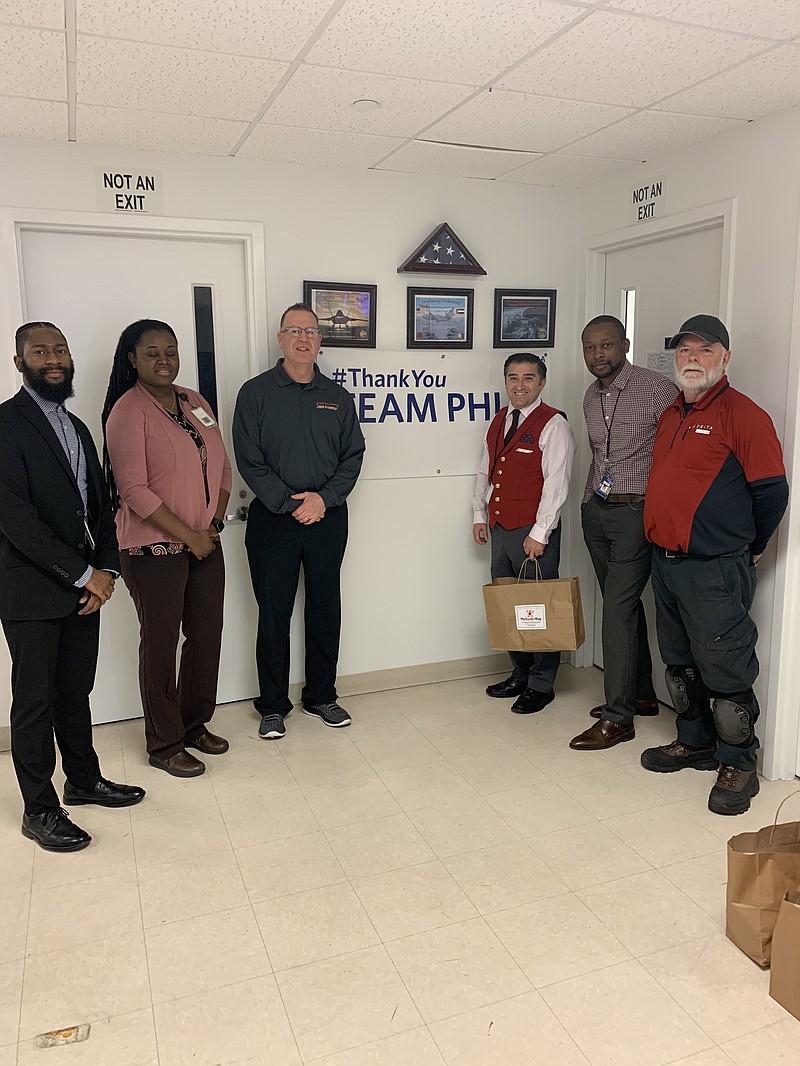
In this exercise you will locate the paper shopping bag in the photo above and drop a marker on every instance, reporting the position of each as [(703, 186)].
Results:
[(538, 615), (784, 978), (762, 868)]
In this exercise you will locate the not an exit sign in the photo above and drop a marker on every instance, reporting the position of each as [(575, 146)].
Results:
[(647, 201)]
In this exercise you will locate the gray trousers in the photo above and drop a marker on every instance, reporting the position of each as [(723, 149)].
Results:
[(703, 620), (539, 668), (621, 556)]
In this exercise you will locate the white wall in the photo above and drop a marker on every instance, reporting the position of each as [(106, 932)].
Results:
[(759, 167), (412, 576)]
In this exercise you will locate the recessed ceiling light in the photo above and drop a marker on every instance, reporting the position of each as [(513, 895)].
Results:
[(366, 105)]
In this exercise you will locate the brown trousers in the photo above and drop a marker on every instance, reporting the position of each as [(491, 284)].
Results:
[(170, 592)]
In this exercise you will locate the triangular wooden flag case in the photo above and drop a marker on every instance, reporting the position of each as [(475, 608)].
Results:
[(442, 252)]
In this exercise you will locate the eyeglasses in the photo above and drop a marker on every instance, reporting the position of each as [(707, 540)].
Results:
[(296, 331)]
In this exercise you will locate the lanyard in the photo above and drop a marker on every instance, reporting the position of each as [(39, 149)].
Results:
[(608, 423)]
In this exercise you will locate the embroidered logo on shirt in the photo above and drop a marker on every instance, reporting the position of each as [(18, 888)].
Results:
[(703, 429), (323, 405)]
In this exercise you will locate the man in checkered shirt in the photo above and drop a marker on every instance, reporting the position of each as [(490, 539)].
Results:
[(622, 408)]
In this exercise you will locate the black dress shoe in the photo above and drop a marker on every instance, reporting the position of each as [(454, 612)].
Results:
[(53, 831), (503, 690), (531, 701), (104, 794), (208, 743)]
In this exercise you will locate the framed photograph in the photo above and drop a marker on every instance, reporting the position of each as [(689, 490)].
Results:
[(346, 313), (524, 318), (439, 318)]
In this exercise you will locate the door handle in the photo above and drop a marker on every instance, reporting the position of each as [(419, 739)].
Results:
[(239, 515)]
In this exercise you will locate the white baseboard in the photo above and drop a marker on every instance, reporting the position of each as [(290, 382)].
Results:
[(382, 680), (408, 676)]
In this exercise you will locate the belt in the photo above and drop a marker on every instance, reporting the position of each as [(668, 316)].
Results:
[(668, 553), (624, 497)]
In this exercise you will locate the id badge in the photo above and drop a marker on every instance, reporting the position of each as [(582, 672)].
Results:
[(603, 490), (203, 417)]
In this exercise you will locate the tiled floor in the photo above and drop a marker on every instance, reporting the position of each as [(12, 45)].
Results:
[(443, 883)]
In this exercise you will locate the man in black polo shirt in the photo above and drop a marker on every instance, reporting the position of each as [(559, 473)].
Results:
[(299, 447), (716, 494)]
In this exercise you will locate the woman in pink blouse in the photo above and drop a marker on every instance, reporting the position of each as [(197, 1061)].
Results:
[(170, 479)]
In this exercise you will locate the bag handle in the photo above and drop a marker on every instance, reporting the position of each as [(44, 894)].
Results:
[(780, 806), (522, 570)]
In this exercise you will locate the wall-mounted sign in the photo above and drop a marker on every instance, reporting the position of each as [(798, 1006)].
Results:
[(132, 192), (647, 201)]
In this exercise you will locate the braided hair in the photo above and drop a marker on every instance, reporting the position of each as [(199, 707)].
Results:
[(123, 378), (25, 328)]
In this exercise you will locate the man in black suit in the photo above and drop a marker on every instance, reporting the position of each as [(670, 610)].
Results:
[(58, 561)]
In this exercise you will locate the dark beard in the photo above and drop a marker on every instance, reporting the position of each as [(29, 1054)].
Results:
[(54, 391)]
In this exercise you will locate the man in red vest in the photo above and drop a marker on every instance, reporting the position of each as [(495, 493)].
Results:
[(520, 489)]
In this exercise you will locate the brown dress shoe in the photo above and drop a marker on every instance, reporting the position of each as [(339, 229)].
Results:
[(208, 743), (181, 764), (646, 708), (602, 735)]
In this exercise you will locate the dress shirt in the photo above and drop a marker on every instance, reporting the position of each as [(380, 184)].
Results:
[(61, 424), (557, 445), (621, 421)]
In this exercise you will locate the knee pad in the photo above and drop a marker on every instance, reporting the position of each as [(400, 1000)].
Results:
[(687, 690), (734, 717)]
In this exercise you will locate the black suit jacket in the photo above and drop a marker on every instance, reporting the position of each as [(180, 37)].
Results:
[(44, 549)]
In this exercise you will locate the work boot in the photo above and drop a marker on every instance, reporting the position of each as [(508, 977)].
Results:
[(676, 756), (733, 791)]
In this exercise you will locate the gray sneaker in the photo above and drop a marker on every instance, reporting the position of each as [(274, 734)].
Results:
[(329, 713), (272, 727)]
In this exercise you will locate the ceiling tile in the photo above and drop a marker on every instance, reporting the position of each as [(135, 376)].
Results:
[(769, 18), (565, 170), (439, 40), (457, 161), (517, 120), (44, 14), (158, 133), (46, 119), (649, 132), (33, 63), (326, 148), (323, 97), (758, 87), (150, 78), (274, 30), (619, 59)]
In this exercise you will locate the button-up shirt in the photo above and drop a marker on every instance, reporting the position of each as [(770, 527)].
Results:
[(557, 445), (621, 420)]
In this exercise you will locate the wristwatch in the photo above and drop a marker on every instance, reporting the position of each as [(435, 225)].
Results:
[(218, 524)]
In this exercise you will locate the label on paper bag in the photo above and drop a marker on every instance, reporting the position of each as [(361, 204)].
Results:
[(531, 616)]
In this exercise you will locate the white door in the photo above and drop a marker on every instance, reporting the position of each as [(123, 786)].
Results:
[(672, 279), (92, 286)]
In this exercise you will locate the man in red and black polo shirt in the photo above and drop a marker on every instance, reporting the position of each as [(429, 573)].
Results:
[(716, 494), (520, 489)]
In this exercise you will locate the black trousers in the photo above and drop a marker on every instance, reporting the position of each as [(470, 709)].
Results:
[(277, 546), (538, 669), (703, 620), (170, 592), (621, 556), (53, 664)]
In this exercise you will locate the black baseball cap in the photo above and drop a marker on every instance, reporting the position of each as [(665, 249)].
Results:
[(707, 327)]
